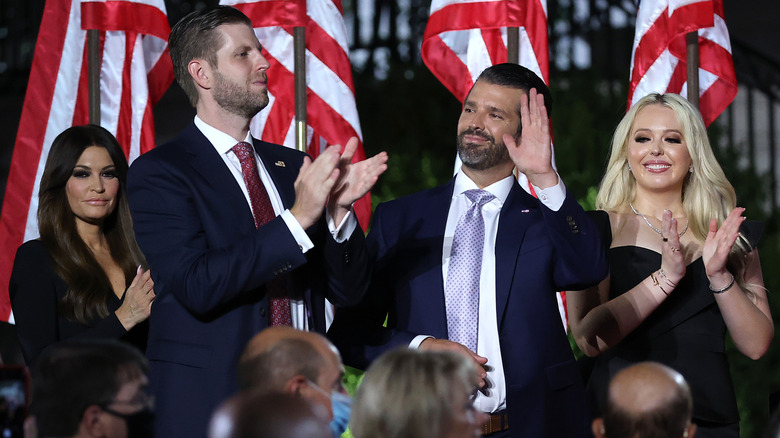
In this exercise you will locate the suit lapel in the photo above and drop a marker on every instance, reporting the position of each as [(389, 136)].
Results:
[(516, 213), (206, 161), (436, 209), (282, 166)]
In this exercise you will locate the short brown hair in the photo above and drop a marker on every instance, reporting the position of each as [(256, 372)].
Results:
[(193, 37)]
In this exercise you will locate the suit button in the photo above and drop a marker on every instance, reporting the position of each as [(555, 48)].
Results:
[(262, 312), (347, 258)]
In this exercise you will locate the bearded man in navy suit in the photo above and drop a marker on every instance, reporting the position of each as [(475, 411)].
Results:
[(530, 248), (234, 227)]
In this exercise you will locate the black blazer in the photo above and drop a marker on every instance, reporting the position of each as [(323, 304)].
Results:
[(36, 290)]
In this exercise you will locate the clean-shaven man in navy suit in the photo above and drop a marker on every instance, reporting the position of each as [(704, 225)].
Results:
[(493, 301), (234, 227)]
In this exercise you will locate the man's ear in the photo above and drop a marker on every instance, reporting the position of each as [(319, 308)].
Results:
[(91, 424), (690, 431), (598, 428), (296, 384), (201, 72)]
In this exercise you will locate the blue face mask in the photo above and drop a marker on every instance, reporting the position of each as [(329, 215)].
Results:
[(341, 405)]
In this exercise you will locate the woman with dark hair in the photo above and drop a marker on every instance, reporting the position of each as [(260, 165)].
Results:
[(684, 265), (85, 277)]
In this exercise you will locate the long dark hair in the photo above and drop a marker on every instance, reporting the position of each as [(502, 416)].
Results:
[(89, 288)]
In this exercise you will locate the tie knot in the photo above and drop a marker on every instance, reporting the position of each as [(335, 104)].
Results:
[(243, 150), (479, 197)]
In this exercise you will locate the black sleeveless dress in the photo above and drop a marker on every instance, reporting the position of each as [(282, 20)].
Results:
[(686, 332)]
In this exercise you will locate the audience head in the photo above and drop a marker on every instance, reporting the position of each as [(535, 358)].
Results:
[(196, 37), (91, 389), (263, 414), (283, 359), (409, 393), (647, 400)]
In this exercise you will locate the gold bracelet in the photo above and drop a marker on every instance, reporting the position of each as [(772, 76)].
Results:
[(662, 274), (655, 283), (720, 291)]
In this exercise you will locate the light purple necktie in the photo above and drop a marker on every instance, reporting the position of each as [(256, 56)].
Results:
[(462, 292)]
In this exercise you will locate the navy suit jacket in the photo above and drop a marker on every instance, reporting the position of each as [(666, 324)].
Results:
[(210, 266), (538, 252)]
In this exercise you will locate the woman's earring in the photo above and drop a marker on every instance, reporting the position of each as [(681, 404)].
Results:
[(690, 169), (629, 167)]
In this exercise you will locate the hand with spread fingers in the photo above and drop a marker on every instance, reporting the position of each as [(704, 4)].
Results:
[(533, 154), (718, 245)]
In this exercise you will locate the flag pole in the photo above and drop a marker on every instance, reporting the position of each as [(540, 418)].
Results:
[(299, 56), (513, 45), (93, 75), (692, 59)]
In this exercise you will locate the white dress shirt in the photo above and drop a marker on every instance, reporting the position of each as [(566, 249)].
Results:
[(224, 143), (493, 396)]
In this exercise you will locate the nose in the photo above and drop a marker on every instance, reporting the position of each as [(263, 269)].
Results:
[(656, 148), (261, 63), (97, 184)]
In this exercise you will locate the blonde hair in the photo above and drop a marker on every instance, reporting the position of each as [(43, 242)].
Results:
[(408, 394), (706, 192)]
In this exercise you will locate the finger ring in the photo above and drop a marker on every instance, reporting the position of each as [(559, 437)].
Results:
[(665, 239)]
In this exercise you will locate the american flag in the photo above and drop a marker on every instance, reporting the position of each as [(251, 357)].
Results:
[(135, 72), (332, 116), (658, 62)]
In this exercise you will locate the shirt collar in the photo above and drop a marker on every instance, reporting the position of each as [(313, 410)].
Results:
[(500, 189), (222, 142)]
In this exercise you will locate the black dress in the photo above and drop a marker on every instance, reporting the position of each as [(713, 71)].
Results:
[(35, 291), (685, 332)]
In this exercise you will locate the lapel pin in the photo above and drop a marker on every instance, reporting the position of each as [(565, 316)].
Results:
[(524, 211), (280, 163)]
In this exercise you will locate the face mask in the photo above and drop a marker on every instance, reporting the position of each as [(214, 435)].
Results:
[(341, 405), (139, 424)]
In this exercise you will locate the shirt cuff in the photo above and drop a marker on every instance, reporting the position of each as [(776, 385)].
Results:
[(297, 231), (344, 230), (552, 197), (418, 340)]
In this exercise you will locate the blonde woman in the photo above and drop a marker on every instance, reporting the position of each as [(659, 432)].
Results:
[(684, 268)]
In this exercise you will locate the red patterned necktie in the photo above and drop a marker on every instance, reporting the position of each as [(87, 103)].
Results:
[(263, 212)]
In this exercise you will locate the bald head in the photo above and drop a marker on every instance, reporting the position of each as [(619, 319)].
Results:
[(278, 353), (268, 415), (646, 400)]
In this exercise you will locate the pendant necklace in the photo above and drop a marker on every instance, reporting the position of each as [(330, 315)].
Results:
[(651, 225)]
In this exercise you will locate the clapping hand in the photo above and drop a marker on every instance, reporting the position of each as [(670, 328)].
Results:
[(718, 245), (354, 181), (672, 261)]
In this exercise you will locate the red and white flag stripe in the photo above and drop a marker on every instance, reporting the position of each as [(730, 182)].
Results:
[(464, 37), (135, 72), (658, 62), (332, 115)]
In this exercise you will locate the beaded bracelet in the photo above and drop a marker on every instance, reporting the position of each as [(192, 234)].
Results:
[(720, 291)]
